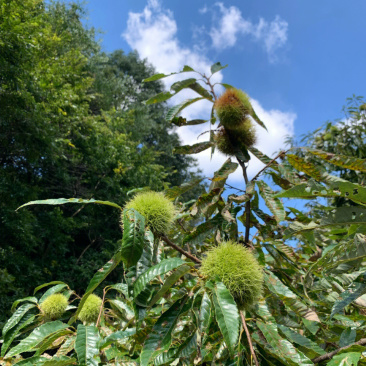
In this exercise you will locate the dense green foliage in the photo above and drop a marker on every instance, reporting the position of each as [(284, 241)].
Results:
[(71, 124), (160, 307)]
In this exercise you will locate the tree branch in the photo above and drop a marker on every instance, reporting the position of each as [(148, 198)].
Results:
[(180, 250), (328, 356), (247, 205), (248, 338)]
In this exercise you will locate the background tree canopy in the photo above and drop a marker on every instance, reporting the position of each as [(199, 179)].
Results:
[(71, 125)]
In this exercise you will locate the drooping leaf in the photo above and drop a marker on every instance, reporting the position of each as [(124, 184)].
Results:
[(26, 320), (289, 297), (97, 279), (301, 340), (227, 315), (339, 216), (62, 201), (17, 316), (174, 111), (47, 284), (257, 119), (179, 85), (159, 269), (37, 336), (345, 359), (30, 299), (133, 237), (262, 157), (175, 192), (199, 89), (274, 204), (226, 169), (283, 348), (158, 98), (193, 149), (160, 337), (348, 337), (216, 67), (86, 344)]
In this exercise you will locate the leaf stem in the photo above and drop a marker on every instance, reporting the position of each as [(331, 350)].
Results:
[(180, 250), (101, 307), (248, 338)]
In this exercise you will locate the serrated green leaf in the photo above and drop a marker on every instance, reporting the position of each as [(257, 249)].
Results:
[(289, 297), (16, 317), (97, 279), (226, 169), (308, 168), (301, 340), (48, 284), (343, 161), (175, 192), (62, 201), (116, 336), (348, 337), (31, 299), (47, 342), (169, 282), (179, 85), (257, 119), (160, 337), (284, 349), (274, 204), (193, 149), (216, 67), (199, 89), (60, 361), (37, 336), (26, 320), (159, 269), (345, 359), (227, 315), (133, 237), (86, 344), (262, 157), (174, 111), (158, 98), (205, 314), (203, 230)]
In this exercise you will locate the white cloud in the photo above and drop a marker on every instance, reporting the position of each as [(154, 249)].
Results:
[(153, 33), (231, 24)]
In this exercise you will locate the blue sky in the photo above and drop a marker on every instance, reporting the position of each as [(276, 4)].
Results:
[(298, 60)]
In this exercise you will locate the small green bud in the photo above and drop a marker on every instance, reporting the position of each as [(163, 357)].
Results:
[(90, 311), (158, 210), (238, 269), (54, 306)]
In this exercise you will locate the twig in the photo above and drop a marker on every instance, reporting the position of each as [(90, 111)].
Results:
[(248, 338), (328, 356), (101, 308), (272, 161), (180, 250), (247, 205)]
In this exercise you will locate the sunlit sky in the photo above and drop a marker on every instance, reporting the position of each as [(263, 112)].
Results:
[(298, 60)]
